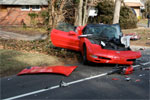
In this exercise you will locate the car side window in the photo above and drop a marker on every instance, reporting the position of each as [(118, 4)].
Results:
[(66, 27), (88, 30)]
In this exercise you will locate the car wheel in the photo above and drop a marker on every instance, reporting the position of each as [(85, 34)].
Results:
[(85, 61)]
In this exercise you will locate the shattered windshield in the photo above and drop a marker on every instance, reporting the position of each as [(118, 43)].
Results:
[(102, 30)]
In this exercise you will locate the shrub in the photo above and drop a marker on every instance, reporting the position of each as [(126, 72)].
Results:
[(45, 16), (106, 13), (127, 18), (33, 17)]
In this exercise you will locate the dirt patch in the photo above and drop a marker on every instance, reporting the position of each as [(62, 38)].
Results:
[(144, 33), (21, 30)]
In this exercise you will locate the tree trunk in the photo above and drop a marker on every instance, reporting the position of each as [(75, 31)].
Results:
[(117, 11), (85, 15), (76, 17), (80, 12)]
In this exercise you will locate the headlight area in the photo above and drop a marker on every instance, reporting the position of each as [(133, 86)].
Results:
[(99, 57), (94, 56), (104, 58)]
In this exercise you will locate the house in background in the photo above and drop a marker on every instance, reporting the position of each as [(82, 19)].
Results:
[(15, 12), (135, 5)]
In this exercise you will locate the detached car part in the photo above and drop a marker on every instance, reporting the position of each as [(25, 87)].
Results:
[(125, 70), (65, 70)]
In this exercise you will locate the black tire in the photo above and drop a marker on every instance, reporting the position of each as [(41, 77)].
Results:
[(85, 61)]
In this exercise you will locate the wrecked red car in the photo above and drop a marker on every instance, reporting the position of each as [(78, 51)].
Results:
[(99, 43)]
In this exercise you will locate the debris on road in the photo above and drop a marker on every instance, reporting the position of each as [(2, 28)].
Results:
[(146, 68), (65, 70), (63, 84), (128, 79), (9, 79), (126, 76), (138, 80), (125, 70), (140, 75), (115, 79), (128, 70)]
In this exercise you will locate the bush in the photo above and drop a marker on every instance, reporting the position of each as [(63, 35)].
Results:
[(127, 18), (45, 16), (33, 17), (106, 13)]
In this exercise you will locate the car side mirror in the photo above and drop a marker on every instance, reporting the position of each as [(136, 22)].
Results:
[(72, 33), (82, 36)]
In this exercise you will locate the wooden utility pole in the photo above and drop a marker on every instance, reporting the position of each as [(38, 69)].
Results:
[(117, 11)]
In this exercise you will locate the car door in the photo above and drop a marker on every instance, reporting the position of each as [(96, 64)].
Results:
[(68, 40)]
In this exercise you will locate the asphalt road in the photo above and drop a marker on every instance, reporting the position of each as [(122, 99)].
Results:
[(103, 87)]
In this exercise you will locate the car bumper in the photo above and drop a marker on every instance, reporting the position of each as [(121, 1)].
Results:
[(115, 59)]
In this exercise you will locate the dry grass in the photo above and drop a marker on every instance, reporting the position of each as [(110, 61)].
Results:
[(143, 32), (143, 21), (11, 61)]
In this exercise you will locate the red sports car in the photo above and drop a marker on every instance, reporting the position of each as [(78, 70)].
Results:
[(99, 43)]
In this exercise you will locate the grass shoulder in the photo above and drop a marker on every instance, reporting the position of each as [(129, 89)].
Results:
[(13, 61), (144, 33)]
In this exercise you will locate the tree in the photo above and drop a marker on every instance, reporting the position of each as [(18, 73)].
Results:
[(55, 12), (86, 11), (117, 11), (106, 11), (81, 16), (80, 12)]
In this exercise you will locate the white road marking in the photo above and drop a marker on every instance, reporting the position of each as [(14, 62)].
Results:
[(30, 93), (136, 66), (69, 83), (54, 87), (146, 63), (141, 64)]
